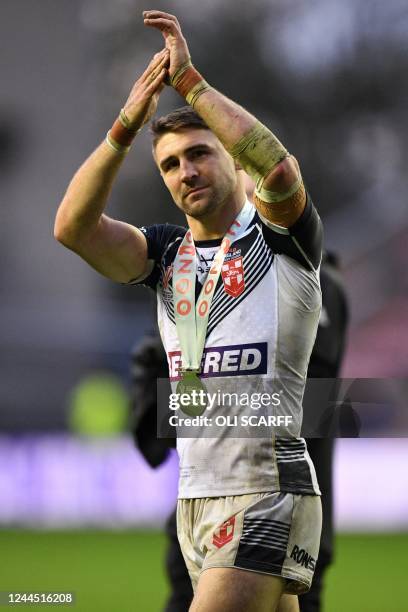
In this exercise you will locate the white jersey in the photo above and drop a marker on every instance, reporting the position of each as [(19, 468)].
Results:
[(262, 327)]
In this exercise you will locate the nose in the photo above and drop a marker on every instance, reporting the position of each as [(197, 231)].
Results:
[(188, 171)]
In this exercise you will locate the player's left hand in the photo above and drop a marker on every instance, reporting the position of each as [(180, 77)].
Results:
[(174, 39), (143, 98)]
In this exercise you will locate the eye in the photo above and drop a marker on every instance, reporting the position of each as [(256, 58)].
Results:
[(199, 153), (173, 163)]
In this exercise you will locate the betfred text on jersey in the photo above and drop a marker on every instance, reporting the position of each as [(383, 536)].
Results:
[(233, 360)]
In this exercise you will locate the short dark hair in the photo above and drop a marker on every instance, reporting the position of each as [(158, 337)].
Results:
[(179, 119)]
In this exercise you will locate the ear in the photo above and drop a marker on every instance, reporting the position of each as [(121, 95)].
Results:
[(237, 165)]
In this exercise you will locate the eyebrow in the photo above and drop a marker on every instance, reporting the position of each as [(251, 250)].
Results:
[(202, 145)]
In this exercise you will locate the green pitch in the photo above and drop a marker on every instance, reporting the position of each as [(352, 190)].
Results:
[(123, 571)]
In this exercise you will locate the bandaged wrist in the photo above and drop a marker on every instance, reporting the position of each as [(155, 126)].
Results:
[(258, 152), (122, 131), (115, 145), (189, 83)]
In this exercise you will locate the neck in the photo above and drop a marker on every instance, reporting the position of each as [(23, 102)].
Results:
[(217, 223)]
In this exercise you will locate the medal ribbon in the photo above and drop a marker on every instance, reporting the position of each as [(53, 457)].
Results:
[(191, 318)]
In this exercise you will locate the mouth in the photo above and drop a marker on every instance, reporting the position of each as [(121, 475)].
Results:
[(195, 190)]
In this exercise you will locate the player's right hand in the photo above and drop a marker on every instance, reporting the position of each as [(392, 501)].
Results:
[(174, 40), (144, 96)]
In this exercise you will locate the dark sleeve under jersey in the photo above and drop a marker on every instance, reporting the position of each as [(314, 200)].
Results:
[(159, 240), (328, 350), (303, 241)]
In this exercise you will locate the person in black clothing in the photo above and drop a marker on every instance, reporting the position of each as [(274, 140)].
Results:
[(149, 363), (325, 362)]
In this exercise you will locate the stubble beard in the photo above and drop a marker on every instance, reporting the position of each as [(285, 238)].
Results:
[(215, 201), (198, 212)]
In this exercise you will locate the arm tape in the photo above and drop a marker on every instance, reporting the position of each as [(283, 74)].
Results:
[(258, 152), (273, 196)]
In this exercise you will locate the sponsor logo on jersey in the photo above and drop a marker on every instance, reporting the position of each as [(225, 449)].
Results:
[(168, 273), (233, 276), (225, 533), (303, 558), (233, 253), (233, 360)]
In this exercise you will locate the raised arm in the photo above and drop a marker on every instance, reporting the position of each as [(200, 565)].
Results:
[(279, 195), (116, 249)]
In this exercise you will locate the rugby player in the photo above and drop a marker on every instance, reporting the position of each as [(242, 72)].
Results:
[(249, 513), (149, 363)]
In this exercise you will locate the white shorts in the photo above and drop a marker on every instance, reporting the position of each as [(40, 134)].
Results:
[(270, 533)]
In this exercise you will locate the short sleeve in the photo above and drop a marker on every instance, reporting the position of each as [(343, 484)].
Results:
[(303, 241), (159, 239)]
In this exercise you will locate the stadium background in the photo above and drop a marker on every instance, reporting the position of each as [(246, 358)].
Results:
[(82, 512)]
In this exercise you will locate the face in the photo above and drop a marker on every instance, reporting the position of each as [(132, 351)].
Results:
[(197, 170)]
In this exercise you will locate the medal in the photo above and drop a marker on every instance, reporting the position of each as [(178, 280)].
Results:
[(191, 385)]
